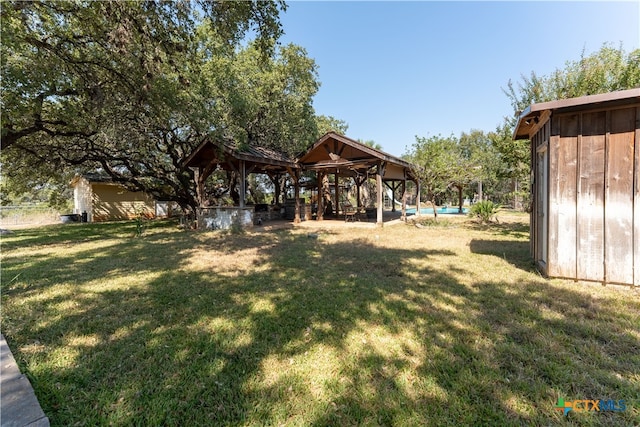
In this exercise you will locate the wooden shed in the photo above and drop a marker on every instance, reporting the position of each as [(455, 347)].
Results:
[(585, 170)]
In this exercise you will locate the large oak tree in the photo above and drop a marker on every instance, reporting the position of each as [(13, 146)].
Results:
[(131, 88)]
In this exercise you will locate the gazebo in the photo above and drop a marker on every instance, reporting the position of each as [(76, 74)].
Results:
[(332, 154), (208, 157), (344, 157)]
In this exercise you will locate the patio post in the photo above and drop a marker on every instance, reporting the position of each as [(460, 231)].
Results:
[(417, 197), (243, 182), (403, 215), (337, 191), (358, 183), (379, 214), (320, 201), (296, 194)]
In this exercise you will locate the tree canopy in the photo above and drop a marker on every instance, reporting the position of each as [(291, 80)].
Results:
[(433, 157), (607, 70), (67, 64), (131, 88), (326, 124)]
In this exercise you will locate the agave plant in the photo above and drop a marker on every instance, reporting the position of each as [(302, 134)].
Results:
[(485, 211)]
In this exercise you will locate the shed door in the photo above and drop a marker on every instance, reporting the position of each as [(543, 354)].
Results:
[(542, 205)]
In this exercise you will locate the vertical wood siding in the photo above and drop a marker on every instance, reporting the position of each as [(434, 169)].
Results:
[(594, 191), (619, 196), (590, 220), (540, 196), (636, 202), (562, 196)]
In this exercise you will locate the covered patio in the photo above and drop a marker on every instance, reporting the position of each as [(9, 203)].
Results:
[(209, 157), (346, 159), (349, 163)]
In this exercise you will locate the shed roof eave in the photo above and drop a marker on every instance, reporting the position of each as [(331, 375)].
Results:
[(521, 130)]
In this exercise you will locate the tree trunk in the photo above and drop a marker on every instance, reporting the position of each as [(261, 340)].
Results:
[(233, 187), (432, 199)]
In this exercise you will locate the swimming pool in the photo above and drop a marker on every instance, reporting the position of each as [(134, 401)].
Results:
[(442, 210)]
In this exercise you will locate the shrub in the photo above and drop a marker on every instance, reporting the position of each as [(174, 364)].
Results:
[(485, 211)]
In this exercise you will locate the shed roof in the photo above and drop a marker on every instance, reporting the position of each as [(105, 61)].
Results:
[(533, 116), (93, 178)]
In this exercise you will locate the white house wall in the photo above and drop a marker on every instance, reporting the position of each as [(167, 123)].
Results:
[(82, 196)]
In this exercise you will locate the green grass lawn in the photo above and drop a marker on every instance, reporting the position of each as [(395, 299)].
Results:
[(440, 325)]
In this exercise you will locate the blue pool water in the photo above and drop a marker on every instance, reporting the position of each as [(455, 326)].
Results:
[(443, 210)]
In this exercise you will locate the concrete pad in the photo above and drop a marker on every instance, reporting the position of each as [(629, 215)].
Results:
[(19, 406)]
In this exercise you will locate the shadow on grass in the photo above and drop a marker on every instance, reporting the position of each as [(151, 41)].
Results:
[(516, 252), (516, 230), (304, 331)]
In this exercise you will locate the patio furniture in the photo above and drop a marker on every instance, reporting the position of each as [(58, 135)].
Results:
[(350, 212)]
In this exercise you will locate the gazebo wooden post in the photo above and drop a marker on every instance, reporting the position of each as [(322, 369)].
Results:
[(320, 201), (379, 174), (417, 197), (337, 192), (357, 181), (403, 215), (243, 182), (392, 187), (296, 194)]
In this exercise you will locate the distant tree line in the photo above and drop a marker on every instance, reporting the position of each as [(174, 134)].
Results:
[(491, 165)]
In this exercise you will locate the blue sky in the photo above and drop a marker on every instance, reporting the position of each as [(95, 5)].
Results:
[(393, 70)]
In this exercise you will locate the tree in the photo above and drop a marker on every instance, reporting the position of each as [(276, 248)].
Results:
[(433, 157), (473, 163), (371, 143), (451, 163), (131, 88), (607, 70), (64, 64), (514, 163), (326, 124), (268, 102)]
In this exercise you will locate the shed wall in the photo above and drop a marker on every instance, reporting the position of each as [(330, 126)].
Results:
[(113, 202), (562, 196), (590, 197), (593, 218), (82, 195)]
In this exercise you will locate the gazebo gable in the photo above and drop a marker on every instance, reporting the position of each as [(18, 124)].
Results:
[(229, 156), (333, 147), (333, 150)]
